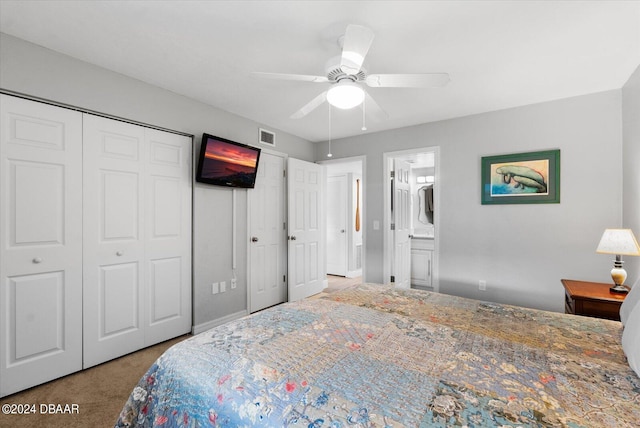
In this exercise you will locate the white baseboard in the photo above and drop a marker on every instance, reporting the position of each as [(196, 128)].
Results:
[(196, 329), (354, 273)]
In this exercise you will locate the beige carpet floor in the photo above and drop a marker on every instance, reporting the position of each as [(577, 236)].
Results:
[(99, 393)]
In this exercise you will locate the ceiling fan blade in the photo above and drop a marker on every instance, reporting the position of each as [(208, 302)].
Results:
[(373, 110), (357, 41), (298, 77), (310, 106), (428, 80)]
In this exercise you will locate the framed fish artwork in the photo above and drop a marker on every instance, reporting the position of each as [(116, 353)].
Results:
[(521, 178)]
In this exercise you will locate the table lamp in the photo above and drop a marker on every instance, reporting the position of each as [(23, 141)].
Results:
[(620, 242)]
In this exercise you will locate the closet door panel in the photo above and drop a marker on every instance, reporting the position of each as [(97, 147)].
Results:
[(164, 296), (119, 216), (45, 183), (119, 290), (40, 243), (168, 232), (113, 239), (37, 316)]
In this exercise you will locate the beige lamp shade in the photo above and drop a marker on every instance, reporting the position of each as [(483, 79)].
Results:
[(619, 242)]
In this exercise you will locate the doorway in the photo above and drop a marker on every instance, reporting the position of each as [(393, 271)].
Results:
[(413, 259), (286, 230), (345, 217)]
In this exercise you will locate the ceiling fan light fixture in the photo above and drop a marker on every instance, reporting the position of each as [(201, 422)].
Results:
[(345, 95)]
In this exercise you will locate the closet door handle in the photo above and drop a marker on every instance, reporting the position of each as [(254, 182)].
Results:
[(254, 239), (37, 260)]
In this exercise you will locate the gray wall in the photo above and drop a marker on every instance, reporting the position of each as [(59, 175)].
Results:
[(631, 165), (33, 70), (522, 251)]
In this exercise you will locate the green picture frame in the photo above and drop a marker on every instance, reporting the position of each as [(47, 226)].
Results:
[(521, 178)]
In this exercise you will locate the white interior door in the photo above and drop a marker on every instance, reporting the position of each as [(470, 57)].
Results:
[(114, 272), (306, 260), (267, 235), (40, 243), (337, 225), (137, 237), (167, 220), (402, 224)]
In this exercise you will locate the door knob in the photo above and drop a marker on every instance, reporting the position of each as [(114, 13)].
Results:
[(37, 260), (254, 239), (342, 231), (293, 238), (119, 253)]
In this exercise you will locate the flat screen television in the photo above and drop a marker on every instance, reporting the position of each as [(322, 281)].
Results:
[(227, 163)]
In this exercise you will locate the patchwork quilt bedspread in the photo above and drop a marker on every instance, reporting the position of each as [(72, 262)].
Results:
[(375, 356)]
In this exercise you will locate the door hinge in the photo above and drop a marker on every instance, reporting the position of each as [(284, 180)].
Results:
[(284, 173), (393, 278), (284, 278), (393, 226), (392, 174), (284, 226)]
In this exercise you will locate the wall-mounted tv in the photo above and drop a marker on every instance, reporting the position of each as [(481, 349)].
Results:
[(227, 163)]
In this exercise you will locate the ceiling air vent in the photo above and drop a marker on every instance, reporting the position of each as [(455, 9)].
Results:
[(267, 137)]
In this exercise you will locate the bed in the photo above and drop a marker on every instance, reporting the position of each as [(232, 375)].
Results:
[(376, 356)]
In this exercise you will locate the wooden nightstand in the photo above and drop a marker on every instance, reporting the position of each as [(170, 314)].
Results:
[(592, 299)]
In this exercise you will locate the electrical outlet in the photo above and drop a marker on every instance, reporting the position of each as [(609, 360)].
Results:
[(223, 286), (482, 285), (215, 289), (233, 283)]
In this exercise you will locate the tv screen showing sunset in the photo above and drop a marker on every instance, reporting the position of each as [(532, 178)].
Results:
[(228, 164)]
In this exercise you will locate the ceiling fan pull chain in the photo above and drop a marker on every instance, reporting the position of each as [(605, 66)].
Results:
[(329, 154), (364, 125)]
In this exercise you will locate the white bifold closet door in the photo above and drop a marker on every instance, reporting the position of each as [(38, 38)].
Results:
[(95, 240), (40, 243), (137, 237)]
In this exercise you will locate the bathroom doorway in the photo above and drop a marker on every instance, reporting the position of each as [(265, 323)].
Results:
[(411, 215)]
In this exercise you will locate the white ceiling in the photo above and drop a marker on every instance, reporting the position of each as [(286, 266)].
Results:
[(499, 54)]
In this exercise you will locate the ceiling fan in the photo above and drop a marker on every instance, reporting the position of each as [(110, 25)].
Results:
[(347, 76)]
